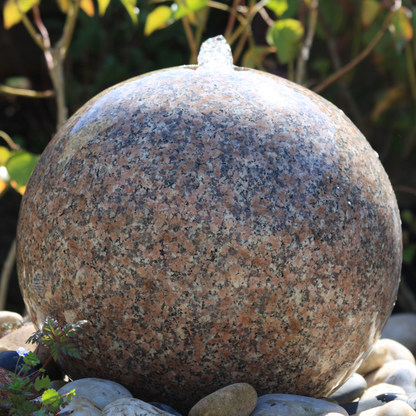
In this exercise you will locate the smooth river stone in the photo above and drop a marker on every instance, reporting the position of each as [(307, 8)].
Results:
[(8, 317), (397, 351), (213, 228), (102, 392), (235, 400), (292, 405), (81, 406), (380, 375), (396, 408), (353, 388), (375, 360), (132, 407)]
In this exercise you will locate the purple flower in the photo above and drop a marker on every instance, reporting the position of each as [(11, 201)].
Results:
[(22, 352)]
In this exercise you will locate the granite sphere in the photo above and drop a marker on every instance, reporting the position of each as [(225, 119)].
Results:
[(214, 227)]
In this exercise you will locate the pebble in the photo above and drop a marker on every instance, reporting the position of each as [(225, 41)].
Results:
[(380, 375), (292, 405), (102, 392), (8, 317), (404, 378), (166, 408), (397, 351), (132, 407), (81, 406), (353, 388), (375, 360), (401, 327), (18, 338), (380, 389), (395, 408), (237, 399)]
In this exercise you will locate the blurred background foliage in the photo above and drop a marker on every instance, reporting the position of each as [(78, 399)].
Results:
[(358, 54)]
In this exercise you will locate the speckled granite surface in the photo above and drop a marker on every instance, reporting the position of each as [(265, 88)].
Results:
[(213, 228)]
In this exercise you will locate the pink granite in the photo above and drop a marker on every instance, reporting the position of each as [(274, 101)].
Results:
[(214, 228)]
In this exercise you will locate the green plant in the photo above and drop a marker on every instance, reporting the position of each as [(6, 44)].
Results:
[(18, 393), (16, 166)]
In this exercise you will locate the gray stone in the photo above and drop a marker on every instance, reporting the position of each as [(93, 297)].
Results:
[(292, 405), (401, 327), (353, 388), (132, 407), (81, 406), (404, 378), (101, 391)]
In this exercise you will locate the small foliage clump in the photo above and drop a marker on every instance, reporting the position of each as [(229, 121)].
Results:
[(17, 396)]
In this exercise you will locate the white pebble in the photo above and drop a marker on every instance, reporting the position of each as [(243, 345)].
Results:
[(8, 317), (380, 375), (375, 360), (395, 408), (397, 351)]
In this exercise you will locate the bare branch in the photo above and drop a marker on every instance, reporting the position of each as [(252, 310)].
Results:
[(10, 142), (307, 44), (339, 74), (26, 93)]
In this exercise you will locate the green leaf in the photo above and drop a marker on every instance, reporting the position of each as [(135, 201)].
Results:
[(254, 56), (132, 10), (31, 359), (285, 34), (369, 12), (49, 397), (403, 29), (157, 19), (54, 348), (17, 383), (102, 6), (188, 6), (292, 10), (42, 383), (278, 7), (71, 395), (4, 155), (18, 82), (20, 166), (11, 12)]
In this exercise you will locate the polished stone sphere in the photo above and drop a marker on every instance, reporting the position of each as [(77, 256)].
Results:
[(214, 225)]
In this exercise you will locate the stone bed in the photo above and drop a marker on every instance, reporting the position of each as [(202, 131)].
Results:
[(390, 368)]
